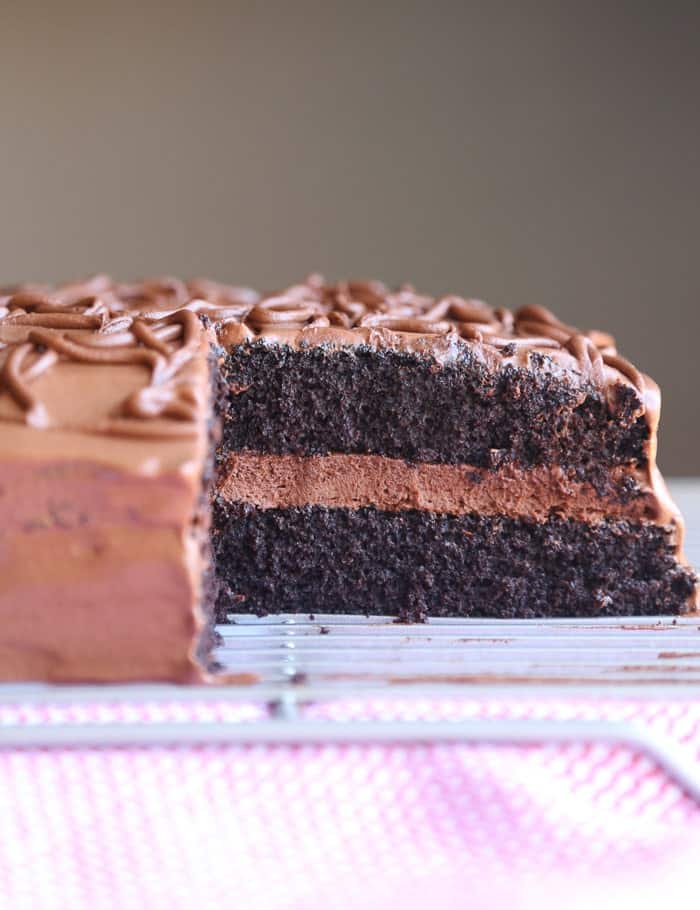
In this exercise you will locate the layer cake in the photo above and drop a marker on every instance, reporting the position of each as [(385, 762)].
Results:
[(175, 452)]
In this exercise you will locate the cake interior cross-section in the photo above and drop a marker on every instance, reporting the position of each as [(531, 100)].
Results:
[(175, 452)]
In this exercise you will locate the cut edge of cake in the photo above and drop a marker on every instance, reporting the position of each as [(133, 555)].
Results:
[(354, 404)]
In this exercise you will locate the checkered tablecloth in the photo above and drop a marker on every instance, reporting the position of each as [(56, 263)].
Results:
[(347, 826)]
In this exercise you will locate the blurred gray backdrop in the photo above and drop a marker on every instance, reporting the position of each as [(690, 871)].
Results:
[(524, 152)]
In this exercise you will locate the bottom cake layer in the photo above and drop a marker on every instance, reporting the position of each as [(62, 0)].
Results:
[(415, 564)]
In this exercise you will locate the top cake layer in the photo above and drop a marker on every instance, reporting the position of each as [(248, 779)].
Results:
[(367, 313), (314, 313), (343, 314), (145, 347)]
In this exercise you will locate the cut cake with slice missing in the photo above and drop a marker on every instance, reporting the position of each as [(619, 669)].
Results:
[(377, 452)]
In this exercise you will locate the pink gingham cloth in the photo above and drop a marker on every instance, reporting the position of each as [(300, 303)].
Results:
[(348, 826)]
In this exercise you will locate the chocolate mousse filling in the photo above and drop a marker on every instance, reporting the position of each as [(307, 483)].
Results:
[(393, 485)]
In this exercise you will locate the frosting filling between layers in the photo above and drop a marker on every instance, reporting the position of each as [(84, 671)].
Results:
[(356, 481)]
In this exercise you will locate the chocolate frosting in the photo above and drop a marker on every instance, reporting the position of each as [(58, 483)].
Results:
[(41, 333), (99, 573)]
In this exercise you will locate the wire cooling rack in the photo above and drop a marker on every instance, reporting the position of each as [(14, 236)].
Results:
[(337, 652)]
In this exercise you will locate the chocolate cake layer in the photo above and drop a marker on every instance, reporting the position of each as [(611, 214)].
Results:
[(405, 405), (355, 481), (417, 564)]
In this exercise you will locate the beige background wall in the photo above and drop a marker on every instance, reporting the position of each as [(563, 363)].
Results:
[(531, 152)]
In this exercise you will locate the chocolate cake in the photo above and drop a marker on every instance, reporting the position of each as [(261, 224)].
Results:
[(174, 452)]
